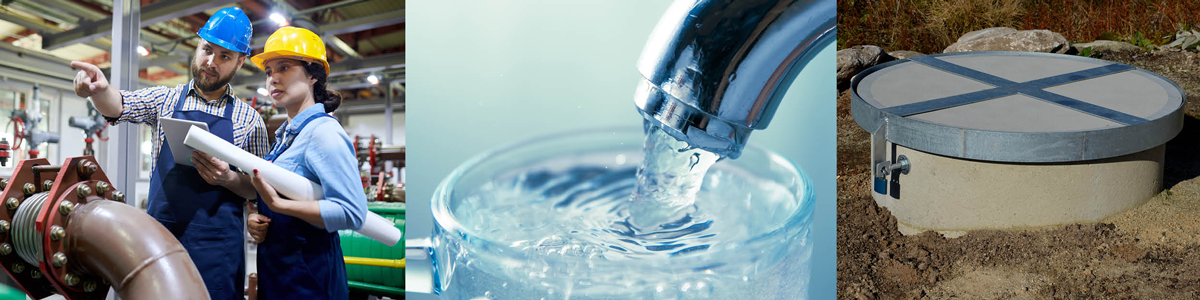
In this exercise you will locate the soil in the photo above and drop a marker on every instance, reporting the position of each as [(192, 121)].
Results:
[(1150, 252)]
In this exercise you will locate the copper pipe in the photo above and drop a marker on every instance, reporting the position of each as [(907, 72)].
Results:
[(133, 252)]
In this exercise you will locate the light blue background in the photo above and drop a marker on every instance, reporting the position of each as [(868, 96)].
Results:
[(484, 74)]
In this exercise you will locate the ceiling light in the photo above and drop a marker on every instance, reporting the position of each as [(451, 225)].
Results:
[(278, 18), (373, 79), (262, 91), (143, 51)]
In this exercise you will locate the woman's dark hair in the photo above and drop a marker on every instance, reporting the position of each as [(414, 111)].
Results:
[(330, 99)]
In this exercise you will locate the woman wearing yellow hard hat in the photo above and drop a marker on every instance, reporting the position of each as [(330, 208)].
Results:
[(300, 257)]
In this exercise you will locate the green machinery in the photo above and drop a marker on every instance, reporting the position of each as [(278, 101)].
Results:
[(372, 267), (11, 293)]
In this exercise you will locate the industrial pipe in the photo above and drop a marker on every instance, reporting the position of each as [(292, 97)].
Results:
[(285, 182), (91, 126), (133, 252), (64, 230), (34, 136)]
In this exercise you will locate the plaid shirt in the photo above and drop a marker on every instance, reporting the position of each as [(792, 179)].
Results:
[(146, 105)]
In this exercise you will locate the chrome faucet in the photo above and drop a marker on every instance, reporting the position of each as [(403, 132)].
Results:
[(716, 70)]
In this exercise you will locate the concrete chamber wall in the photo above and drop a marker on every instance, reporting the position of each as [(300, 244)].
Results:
[(952, 195)]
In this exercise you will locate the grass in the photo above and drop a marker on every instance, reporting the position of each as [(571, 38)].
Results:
[(929, 26)]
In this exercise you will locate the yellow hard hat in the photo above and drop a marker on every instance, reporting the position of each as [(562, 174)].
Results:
[(295, 43)]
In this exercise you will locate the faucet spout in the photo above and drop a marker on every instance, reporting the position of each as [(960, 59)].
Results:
[(715, 70)]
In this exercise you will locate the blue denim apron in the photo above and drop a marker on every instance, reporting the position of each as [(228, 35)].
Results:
[(207, 219), (298, 260)]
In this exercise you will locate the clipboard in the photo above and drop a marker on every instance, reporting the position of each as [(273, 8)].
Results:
[(176, 130)]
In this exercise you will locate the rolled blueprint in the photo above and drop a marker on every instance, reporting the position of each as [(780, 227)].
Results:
[(285, 182)]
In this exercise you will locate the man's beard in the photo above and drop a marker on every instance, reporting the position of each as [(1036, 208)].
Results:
[(208, 87)]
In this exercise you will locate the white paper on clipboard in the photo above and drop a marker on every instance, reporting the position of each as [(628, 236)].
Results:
[(176, 130)]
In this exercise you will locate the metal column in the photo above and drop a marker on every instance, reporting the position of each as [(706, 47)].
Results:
[(122, 156), (387, 114)]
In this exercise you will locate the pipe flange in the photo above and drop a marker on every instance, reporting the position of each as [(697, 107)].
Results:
[(79, 184), (13, 195)]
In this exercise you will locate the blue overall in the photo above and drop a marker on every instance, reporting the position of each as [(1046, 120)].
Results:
[(207, 219), (298, 260)]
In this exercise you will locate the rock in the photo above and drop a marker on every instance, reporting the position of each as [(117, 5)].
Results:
[(985, 33), (902, 54), (1109, 46), (855, 59), (1008, 39)]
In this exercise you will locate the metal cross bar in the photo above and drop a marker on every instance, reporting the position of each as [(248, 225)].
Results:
[(1004, 87)]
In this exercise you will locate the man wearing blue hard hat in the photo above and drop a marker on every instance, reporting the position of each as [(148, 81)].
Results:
[(202, 205)]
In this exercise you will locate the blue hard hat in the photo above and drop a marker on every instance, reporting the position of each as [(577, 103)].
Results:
[(229, 28)]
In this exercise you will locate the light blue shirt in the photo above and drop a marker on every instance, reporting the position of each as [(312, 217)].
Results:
[(323, 153)]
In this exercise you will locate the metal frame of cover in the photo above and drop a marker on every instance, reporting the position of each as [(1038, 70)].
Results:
[(1137, 135)]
